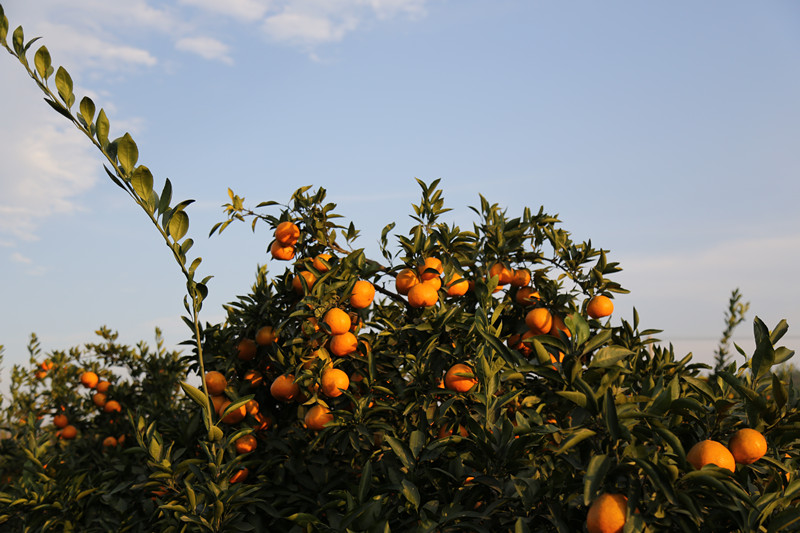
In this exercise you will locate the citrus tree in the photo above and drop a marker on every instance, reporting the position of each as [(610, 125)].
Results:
[(472, 379)]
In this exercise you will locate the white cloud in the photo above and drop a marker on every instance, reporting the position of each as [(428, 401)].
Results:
[(205, 47), (19, 258), (246, 10), (307, 28)]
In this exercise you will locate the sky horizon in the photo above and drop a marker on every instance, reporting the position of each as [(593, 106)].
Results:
[(664, 133)]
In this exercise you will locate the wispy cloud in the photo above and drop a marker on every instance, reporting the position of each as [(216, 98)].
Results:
[(206, 47), (245, 10), (19, 258)]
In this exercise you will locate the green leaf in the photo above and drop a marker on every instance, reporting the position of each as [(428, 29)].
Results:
[(303, 519), (166, 197), (779, 331), (578, 326), (575, 397), (365, 483), (609, 356), (102, 129), (87, 110), (417, 441), (786, 520), (64, 86), (411, 493), (18, 40), (402, 452), (3, 26), (142, 181), (599, 466), (128, 154), (576, 438), (597, 340), (764, 355), (42, 61), (197, 395), (178, 225), (215, 434), (610, 412), (779, 391)]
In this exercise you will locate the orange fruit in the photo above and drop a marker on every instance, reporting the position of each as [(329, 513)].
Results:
[(217, 401), (343, 344), (711, 452), (558, 325), (423, 295), (112, 406), (558, 359), (266, 335), (445, 431), (215, 382), (600, 306), (89, 379), (99, 399), (458, 383), (503, 273), (46, 365), (457, 286), (607, 514), (235, 416), (338, 321), (251, 407), (60, 421), (40, 374), (426, 269), (247, 349), (245, 444), (527, 296), (263, 422), (405, 279), (747, 446), (281, 253), (539, 320), (317, 417), (319, 264), (68, 433), (297, 282), (254, 378), (109, 442), (284, 388), (436, 283), (521, 277), (240, 475), (362, 294), (332, 380), (287, 233), (102, 386)]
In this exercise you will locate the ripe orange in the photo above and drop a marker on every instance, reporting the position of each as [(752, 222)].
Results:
[(503, 273), (102, 386), (457, 286), (426, 269), (254, 378), (362, 295), (40, 374), (284, 388), (458, 383), (68, 433), (297, 283), (247, 349), (287, 233), (332, 380), (319, 264), (405, 279), (251, 407), (112, 406), (217, 401), (46, 365), (423, 295), (60, 421), (521, 277), (109, 442), (747, 446), (99, 399), (89, 379), (266, 335), (558, 325), (215, 382), (338, 321), (600, 306), (317, 417), (343, 344), (263, 422), (527, 296), (607, 514), (240, 475), (539, 320), (711, 452), (281, 253), (235, 416), (245, 444)]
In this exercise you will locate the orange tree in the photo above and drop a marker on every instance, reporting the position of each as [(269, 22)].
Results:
[(487, 385), (69, 459)]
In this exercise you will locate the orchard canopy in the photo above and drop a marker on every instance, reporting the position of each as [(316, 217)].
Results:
[(468, 379)]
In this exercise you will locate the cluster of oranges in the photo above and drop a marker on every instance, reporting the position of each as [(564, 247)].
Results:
[(421, 284), (607, 514), (90, 380), (44, 367), (286, 236)]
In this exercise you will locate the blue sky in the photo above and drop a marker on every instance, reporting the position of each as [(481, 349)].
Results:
[(665, 132)]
